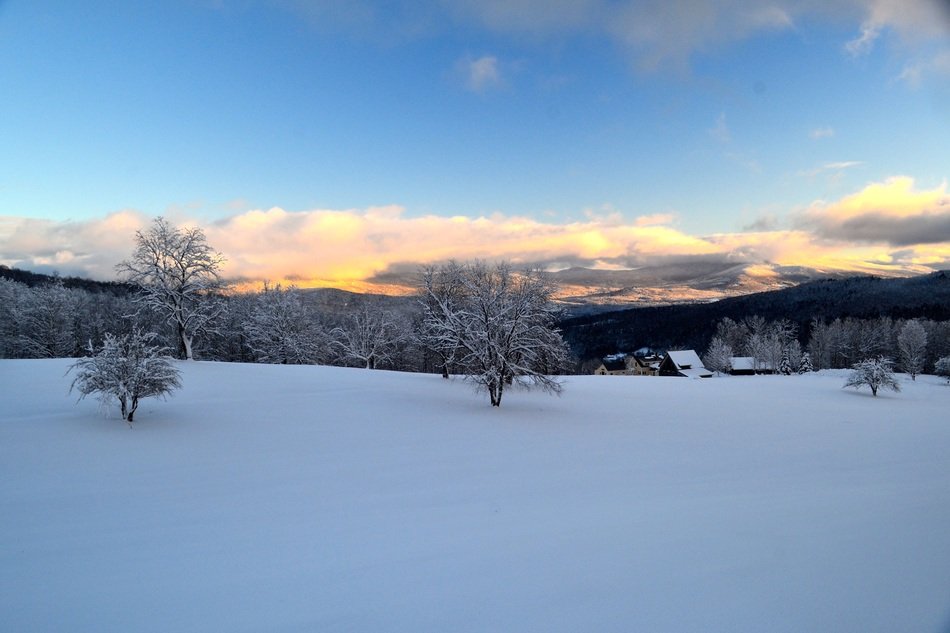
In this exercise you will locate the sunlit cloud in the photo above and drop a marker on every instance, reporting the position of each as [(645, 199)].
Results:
[(893, 212), (887, 226), (833, 167)]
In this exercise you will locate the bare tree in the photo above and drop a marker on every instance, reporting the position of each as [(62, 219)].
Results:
[(370, 337), (127, 368), (912, 347), (719, 356), (500, 326), (732, 334), (759, 343), (820, 344), (279, 329), (46, 318), (176, 269), (876, 373)]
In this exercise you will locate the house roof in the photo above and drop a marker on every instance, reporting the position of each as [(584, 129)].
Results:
[(748, 363), (687, 363), (651, 362), (685, 359), (742, 363), (698, 372), (614, 365)]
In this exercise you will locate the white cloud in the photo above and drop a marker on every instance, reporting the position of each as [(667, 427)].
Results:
[(720, 131), (821, 132), (480, 74), (832, 167), (863, 44)]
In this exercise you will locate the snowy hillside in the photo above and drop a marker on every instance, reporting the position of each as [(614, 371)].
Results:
[(274, 498)]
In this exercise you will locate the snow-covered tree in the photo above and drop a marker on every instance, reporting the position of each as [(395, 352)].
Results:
[(820, 344), (719, 356), (942, 367), (912, 347), (785, 365), (279, 329), (443, 293), (876, 373), (805, 365), (127, 368), (46, 318), (12, 296), (370, 337), (794, 350), (732, 334), (176, 269), (499, 325)]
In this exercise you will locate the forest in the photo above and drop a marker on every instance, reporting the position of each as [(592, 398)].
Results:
[(839, 322)]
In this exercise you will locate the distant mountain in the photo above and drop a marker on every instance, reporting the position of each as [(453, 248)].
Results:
[(590, 290), (585, 290), (691, 326)]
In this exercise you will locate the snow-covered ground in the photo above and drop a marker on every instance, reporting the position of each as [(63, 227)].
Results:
[(269, 498)]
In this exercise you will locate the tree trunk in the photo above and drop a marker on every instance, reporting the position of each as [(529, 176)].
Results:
[(185, 338), (135, 405), (495, 389)]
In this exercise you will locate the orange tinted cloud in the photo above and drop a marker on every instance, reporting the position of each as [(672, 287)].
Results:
[(890, 226), (893, 212)]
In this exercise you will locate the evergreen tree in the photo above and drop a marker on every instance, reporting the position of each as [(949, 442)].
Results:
[(786, 365), (805, 367)]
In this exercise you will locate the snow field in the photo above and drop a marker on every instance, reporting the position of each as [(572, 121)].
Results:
[(279, 498)]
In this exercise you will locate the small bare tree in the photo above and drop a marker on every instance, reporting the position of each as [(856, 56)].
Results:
[(177, 270), (876, 373), (499, 326), (127, 368)]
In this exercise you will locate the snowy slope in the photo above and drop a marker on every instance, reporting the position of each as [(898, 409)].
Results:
[(269, 498)]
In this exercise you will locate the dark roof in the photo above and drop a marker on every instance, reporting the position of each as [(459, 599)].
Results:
[(648, 361), (614, 365)]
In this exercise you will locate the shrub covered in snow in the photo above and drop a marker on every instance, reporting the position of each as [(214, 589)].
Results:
[(127, 368), (875, 373), (942, 367)]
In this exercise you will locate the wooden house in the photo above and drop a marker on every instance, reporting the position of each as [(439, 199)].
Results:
[(612, 366), (643, 365), (683, 363)]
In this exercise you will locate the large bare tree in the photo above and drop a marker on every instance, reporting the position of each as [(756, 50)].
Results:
[(497, 325), (177, 271)]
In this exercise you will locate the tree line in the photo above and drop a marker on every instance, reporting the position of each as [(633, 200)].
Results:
[(915, 345), (485, 322)]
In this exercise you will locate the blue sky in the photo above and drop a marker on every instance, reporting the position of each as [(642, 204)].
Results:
[(712, 118)]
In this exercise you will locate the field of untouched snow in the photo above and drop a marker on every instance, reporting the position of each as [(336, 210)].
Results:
[(270, 498)]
